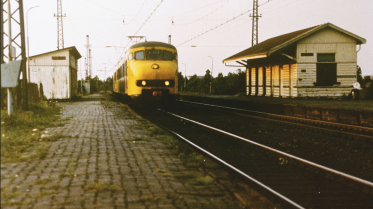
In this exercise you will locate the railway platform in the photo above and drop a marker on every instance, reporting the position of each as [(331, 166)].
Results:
[(107, 157), (354, 112)]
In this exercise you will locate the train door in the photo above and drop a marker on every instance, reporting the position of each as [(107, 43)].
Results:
[(125, 77)]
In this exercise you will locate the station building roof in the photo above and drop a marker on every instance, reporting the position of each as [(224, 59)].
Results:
[(72, 49), (269, 46)]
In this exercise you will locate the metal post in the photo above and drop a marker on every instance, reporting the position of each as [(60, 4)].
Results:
[(10, 101), (2, 45), (10, 32), (212, 65), (23, 53), (28, 47), (9, 90), (255, 26)]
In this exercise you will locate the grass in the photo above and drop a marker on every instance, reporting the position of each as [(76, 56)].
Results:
[(14, 203), (147, 199), (158, 131), (42, 181), (18, 137), (204, 180), (102, 187)]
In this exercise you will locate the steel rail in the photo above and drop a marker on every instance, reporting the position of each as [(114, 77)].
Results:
[(363, 181), (238, 171), (287, 122), (272, 114)]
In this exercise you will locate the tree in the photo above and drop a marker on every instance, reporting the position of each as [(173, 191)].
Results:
[(180, 81), (359, 76)]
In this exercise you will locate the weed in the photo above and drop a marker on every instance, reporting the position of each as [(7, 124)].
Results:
[(42, 181), (147, 199), (158, 131), (41, 153), (186, 175), (14, 203), (194, 160), (160, 170), (52, 138), (7, 196), (45, 193), (102, 187), (65, 202), (202, 180), (55, 187), (17, 130)]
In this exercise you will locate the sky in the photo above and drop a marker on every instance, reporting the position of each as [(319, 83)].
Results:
[(225, 26)]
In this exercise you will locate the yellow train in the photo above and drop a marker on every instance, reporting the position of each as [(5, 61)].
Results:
[(148, 70)]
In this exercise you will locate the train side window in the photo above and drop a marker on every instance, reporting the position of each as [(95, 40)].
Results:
[(130, 57), (167, 55), (175, 56), (139, 55)]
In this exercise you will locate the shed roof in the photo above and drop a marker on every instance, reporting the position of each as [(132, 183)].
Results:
[(72, 49), (269, 46)]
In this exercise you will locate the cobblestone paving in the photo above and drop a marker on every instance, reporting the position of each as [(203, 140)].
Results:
[(106, 158)]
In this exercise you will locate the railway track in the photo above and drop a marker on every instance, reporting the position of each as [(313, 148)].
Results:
[(298, 182), (321, 125)]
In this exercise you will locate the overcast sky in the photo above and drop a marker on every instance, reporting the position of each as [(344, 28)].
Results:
[(109, 22)]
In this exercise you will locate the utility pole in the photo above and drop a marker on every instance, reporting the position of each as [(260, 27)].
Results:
[(59, 16), (255, 16), (88, 60), (90, 63), (19, 37), (169, 39)]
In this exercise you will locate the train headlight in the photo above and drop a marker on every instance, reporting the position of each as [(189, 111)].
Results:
[(155, 66), (166, 83), (143, 83)]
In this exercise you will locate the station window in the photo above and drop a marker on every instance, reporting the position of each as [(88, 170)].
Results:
[(326, 57), (139, 55), (130, 56), (167, 55), (153, 54)]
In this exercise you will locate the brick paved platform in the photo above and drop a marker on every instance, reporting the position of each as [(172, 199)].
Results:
[(106, 158)]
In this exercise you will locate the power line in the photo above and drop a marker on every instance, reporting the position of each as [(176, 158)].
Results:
[(218, 26), (203, 17), (104, 7), (136, 33), (198, 8), (137, 13)]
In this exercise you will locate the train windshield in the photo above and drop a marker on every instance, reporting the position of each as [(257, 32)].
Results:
[(153, 54), (167, 55), (139, 55)]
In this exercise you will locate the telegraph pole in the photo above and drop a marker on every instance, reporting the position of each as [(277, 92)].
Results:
[(60, 42), (255, 16)]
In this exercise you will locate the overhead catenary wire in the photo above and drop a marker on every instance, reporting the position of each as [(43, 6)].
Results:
[(218, 26), (124, 48)]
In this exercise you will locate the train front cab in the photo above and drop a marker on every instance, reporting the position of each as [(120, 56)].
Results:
[(152, 72)]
